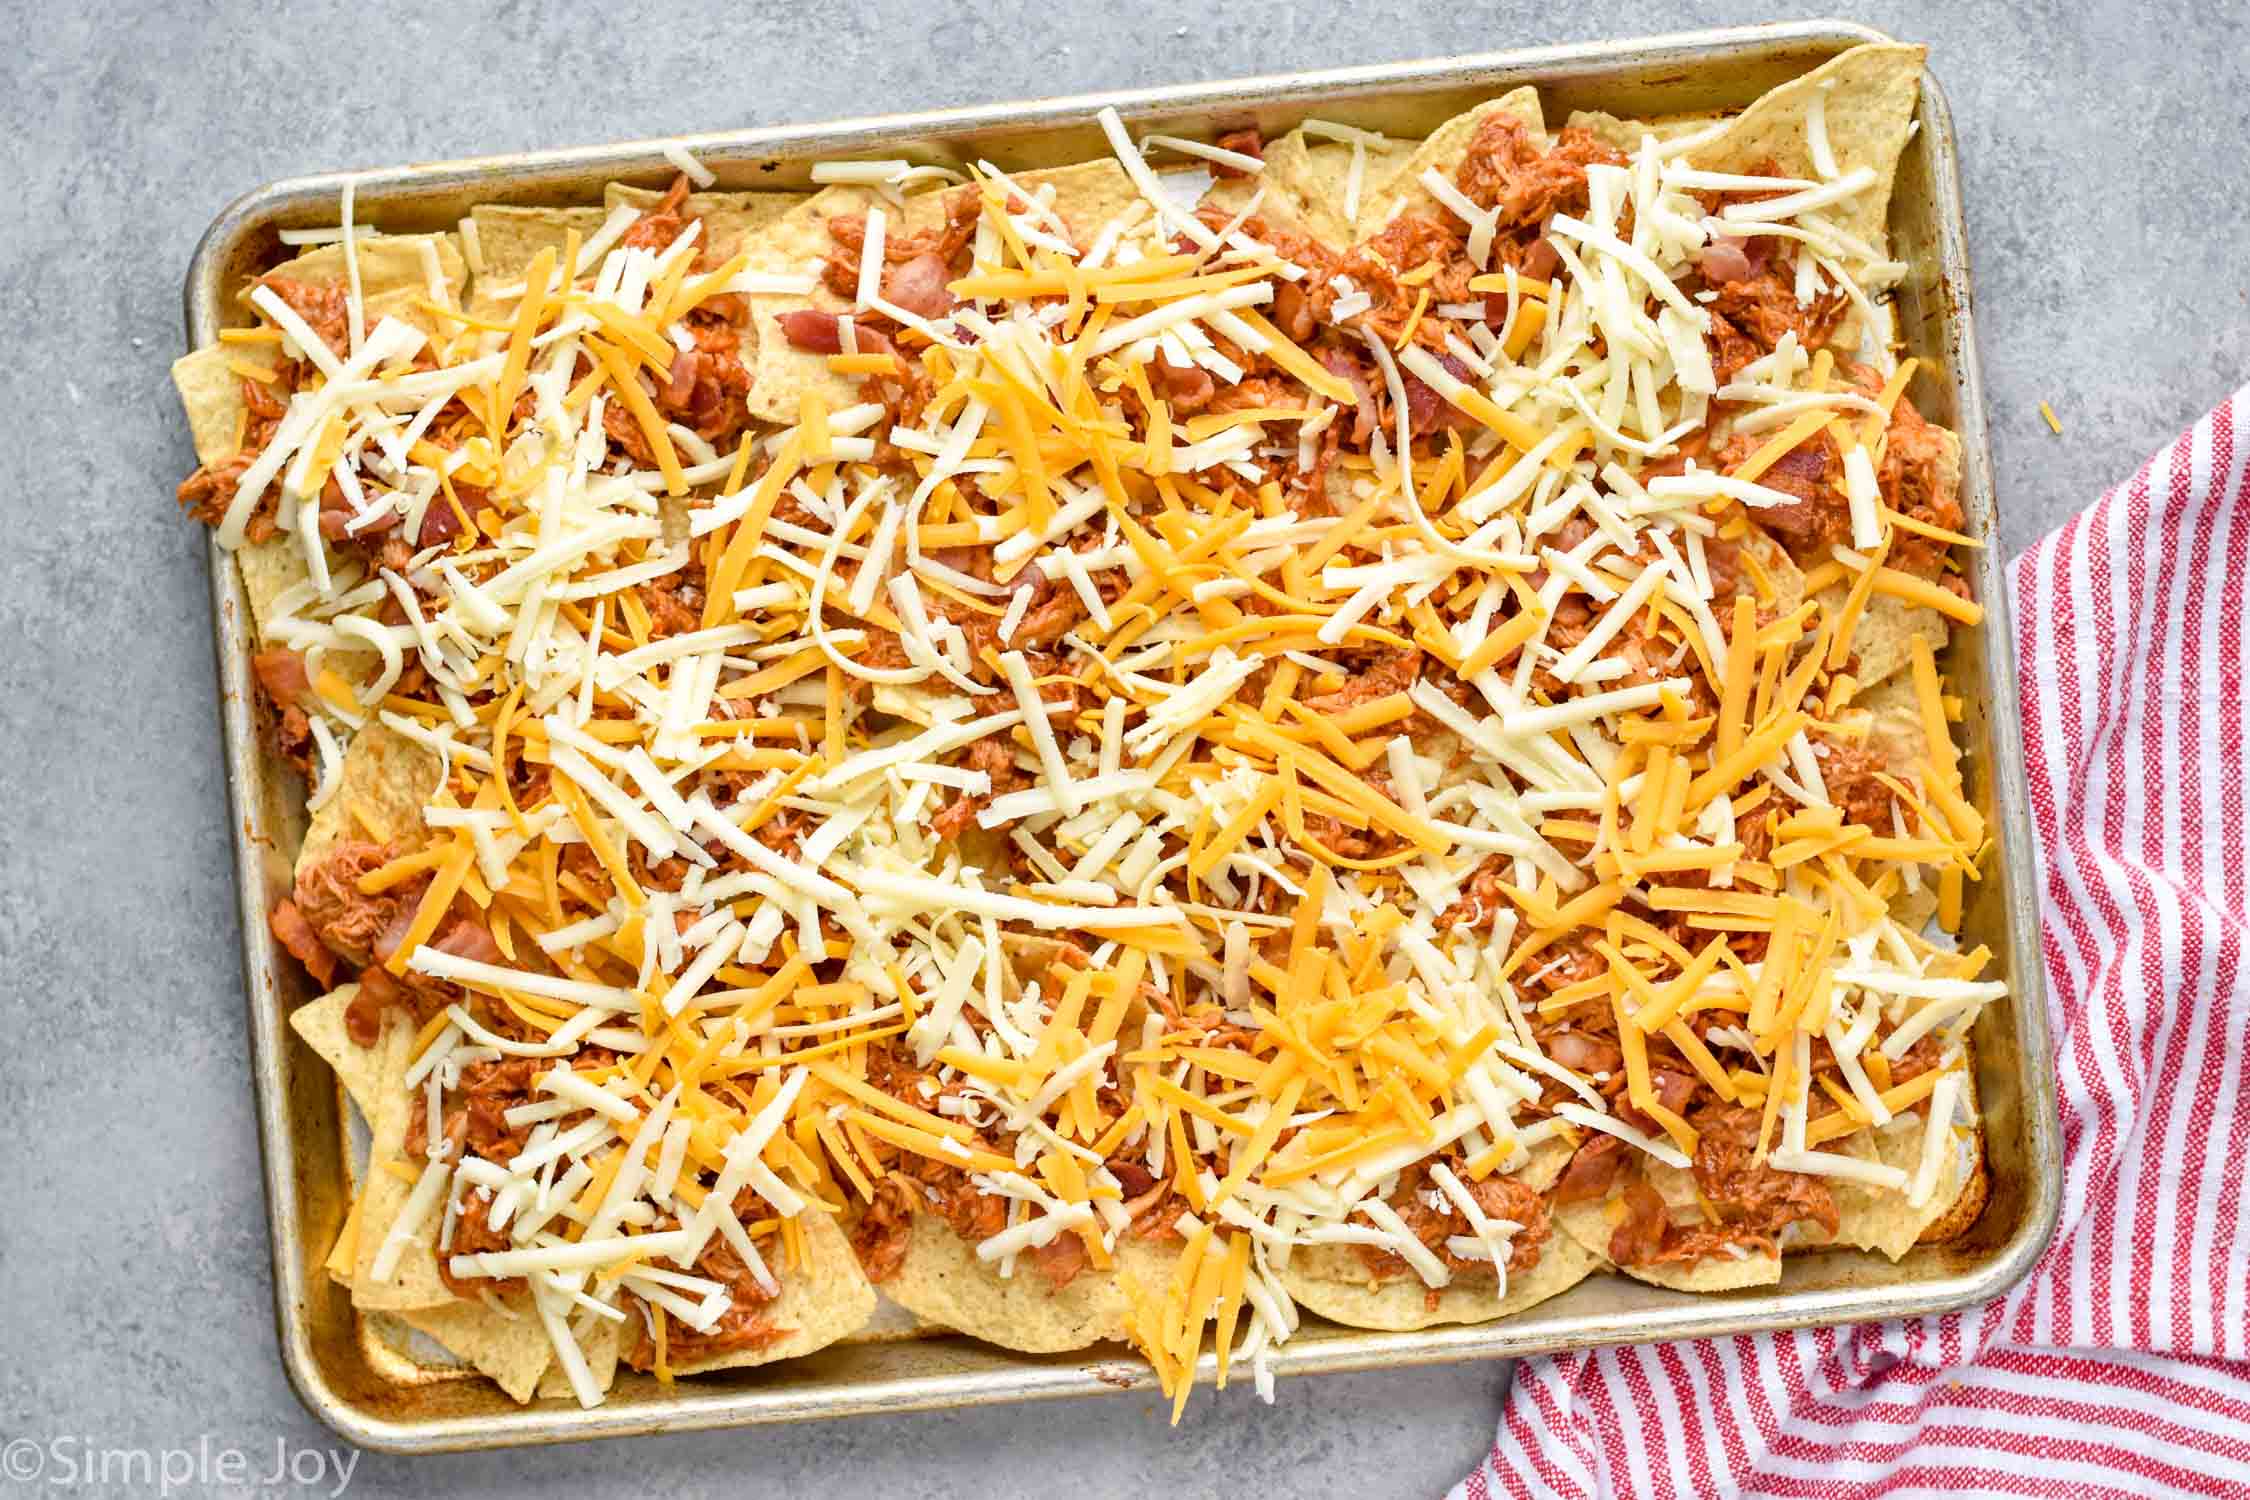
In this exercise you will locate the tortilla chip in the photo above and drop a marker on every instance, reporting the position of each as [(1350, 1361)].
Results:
[(394, 275), (819, 1303), (1588, 1223), (386, 777), (414, 1283), (941, 1281), (795, 243), (211, 393), (1877, 1219), (1087, 195), (212, 396), (509, 239), (1885, 626), (728, 218), (599, 1346), (1870, 94), (1625, 134), (1306, 181), (1781, 570), (513, 1351), (1402, 190), (1334, 1281), (319, 1024)]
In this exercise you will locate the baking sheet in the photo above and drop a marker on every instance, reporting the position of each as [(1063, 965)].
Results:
[(362, 1383)]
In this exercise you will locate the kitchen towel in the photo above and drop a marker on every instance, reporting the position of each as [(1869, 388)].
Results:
[(2121, 1364)]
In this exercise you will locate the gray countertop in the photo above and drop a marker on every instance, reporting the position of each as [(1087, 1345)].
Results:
[(2102, 146)]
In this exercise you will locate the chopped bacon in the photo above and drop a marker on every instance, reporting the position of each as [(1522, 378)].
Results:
[(1821, 516), (295, 934), (440, 523), (1592, 1171), (466, 937), (918, 285), (1344, 367), (281, 672), (1244, 142), (816, 332), (1292, 311), (1060, 1259), (1638, 1237), (1584, 1054), (1187, 389), (1725, 259)]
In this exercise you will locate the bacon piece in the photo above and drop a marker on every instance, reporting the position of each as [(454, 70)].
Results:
[(1187, 389), (295, 934), (1639, 1235), (1724, 259), (439, 523), (1341, 365), (1584, 1054), (816, 332), (1821, 516), (465, 937), (1244, 142), (918, 285), (1292, 311), (281, 672), (1060, 1259), (1592, 1171)]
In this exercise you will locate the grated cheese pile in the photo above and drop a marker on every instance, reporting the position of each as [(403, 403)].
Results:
[(1183, 783)]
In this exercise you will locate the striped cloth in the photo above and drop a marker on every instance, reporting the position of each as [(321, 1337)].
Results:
[(2121, 1365)]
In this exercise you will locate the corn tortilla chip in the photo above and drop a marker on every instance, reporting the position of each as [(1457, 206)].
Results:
[(599, 1346), (1308, 180), (414, 1283), (819, 1303), (513, 1351), (1877, 1219), (728, 218), (1402, 190), (1626, 134), (509, 238), (1334, 1281), (1868, 96), (319, 1024), (386, 778), (941, 1281), (395, 275)]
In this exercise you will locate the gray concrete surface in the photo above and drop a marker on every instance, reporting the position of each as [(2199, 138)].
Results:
[(2102, 145)]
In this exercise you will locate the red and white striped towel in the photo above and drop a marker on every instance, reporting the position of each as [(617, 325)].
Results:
[(2121, 1365)]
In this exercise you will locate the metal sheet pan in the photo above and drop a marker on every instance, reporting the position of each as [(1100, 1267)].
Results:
[(372, 1395)]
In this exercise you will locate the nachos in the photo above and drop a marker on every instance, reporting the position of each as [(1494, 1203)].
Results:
[(1125, 751)]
